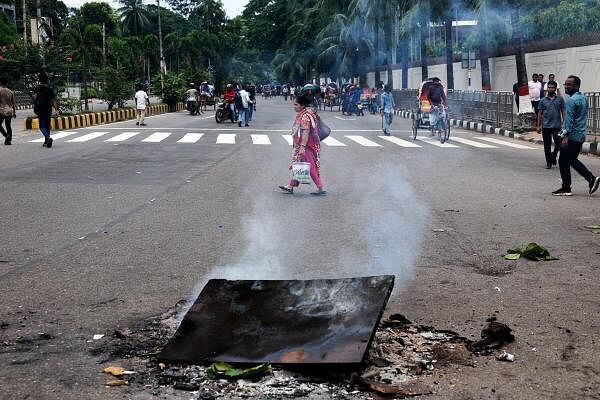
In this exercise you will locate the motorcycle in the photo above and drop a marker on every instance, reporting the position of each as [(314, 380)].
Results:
[(223, 111), (192, 107)]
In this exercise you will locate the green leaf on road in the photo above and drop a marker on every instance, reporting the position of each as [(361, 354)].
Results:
[(532, 251), (221, 370)]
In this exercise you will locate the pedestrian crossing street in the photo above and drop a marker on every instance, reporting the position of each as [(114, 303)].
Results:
[(455, 142)]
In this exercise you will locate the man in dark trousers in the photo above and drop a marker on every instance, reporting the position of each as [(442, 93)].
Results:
[(43, 100), (549, 122), (573, 136)]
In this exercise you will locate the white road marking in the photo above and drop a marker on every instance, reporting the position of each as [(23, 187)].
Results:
[(472, 143), (54, 136), (434, 141), (399, 142), (345, 119), (205, 117), (505, 143), (87, 137), (289, 139), (122, 137), (330, 141), (226, 138), (363, 141), (157, 137), (260, 139), (190, 138)]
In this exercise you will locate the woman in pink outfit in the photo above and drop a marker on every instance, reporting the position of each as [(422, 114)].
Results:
[(307, 146)]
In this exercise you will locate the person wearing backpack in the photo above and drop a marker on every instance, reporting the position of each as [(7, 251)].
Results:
[(549, 122), (307, 145), (43, 100)]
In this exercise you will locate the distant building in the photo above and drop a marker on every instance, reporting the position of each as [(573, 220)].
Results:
[(10, 12)]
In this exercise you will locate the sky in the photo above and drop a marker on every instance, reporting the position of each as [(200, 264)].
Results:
[(232, 7)]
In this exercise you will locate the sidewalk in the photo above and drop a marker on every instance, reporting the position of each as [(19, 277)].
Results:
[(590, 146)]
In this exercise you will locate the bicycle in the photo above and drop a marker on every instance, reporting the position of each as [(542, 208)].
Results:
[(442, 124)]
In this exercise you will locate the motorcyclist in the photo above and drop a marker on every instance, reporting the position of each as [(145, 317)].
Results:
[(230, 95), (192, 99)]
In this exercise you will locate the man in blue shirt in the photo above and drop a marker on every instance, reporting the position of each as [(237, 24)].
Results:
[(549, 122), (387, 110), (573, 136)]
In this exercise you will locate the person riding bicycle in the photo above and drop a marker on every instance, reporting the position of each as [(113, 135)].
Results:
[(192, 99), (436, 95)]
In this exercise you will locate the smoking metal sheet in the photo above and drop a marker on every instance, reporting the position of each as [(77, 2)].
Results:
[(324, 321)]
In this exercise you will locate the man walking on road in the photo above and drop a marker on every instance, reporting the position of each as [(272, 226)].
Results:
[(43, 100), (245, 103), (141, 100), (549, 122), (8, 111), (387, 110), (535, 91), (573, 136)]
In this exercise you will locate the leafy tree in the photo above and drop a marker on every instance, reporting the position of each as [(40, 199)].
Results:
[(208, 16), (99, 13), (117, 89), (8, 33), (174, 88), (134, 17)]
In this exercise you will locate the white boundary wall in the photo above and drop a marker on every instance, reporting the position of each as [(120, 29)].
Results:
[(581, 61)]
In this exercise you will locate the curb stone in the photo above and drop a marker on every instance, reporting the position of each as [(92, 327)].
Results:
[(97, 118), (587, 148)]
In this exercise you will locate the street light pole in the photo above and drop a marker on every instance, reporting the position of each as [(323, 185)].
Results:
[(162, 58)]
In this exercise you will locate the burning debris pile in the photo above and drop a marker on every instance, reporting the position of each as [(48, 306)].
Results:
[(400, 363)]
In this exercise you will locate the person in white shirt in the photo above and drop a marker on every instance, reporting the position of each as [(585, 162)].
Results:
[(551, 78), (535, 92), (246, 103), (141, 101)]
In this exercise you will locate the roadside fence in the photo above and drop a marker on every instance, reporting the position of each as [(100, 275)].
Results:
[(492, 108)]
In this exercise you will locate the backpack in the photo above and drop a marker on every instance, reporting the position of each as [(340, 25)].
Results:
[(238, 101)]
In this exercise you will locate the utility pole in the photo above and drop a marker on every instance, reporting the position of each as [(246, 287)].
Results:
[(25, 25), (38, 5), (162, 58), (104, 44)]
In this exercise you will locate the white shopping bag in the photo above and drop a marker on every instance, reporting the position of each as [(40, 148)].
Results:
[(301, 172)]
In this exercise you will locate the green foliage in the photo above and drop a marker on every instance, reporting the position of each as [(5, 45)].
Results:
[(8, 33), (116, 88), (174, 88), (69, 105)]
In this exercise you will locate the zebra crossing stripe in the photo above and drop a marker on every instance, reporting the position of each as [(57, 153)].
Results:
[(57, 135), (398, 141), (226, 138), (157, 137), (363, 141), (260, 139), (330, 141), (289, 139), (505, 143), (472, 143), (190, 138), (122, 137), (87, 137), (437, 143)]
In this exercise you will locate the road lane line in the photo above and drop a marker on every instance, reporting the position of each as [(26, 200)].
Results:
[(330, 141), (157, 137), (226, 138), (363, 141), (260, 139), (190, 138), (398, 141), (289, 139), (345, 119), (435, 142), (505, 143), (122, 137), (87, 137), (472, 143), (54, 136)]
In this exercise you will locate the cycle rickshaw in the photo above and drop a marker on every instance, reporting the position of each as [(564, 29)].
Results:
[(423, 114)]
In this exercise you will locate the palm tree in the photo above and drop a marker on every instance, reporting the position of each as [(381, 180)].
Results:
[(134, 16), (87, 46), (150, 46), (172, 49)]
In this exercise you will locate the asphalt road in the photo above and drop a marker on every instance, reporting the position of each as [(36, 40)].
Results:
[(106, 230)]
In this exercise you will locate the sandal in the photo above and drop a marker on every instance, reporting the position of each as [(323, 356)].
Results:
[(287, 189)]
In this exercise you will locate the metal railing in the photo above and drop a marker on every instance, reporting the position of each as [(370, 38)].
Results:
[(493, 108)]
